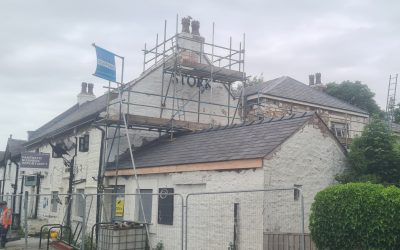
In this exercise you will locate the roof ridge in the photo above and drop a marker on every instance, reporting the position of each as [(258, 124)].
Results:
[(255, 122), (329, 101)]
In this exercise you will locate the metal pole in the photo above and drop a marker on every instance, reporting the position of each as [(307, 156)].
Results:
[(119, 123), (230, 52), (244, 55), (302, 221), (84, 222), (26, 218), (163, 73), (229, 102), (135, 174), (144, 57), (156, 48), (37, 198)]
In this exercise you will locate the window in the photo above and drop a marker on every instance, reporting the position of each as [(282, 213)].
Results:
[(339, 129), (296, 192), (79, 202), (54, 201), (54, 154), (147, 201), (166, 206), (84, 143)]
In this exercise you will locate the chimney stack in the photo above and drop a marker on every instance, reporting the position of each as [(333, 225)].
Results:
[(311, 80), (86, 93), (90, 89), (195, 28), (84, 87), (318, 78), (186, 24)]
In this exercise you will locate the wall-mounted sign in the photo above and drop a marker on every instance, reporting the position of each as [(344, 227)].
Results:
[(34, 160), (119, 206), (194, 82)]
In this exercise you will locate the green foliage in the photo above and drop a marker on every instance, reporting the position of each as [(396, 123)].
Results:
[(237, 89), (397, 114), (355, 93), (373, 157), (356, 216)]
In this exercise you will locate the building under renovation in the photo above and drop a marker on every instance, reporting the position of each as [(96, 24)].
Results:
[(178, 129)]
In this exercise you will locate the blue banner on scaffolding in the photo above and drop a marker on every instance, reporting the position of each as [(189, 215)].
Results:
[(105, 64)]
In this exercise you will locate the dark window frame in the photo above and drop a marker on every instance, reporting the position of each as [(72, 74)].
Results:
[(53, 154), (165, 206), (84, 143)]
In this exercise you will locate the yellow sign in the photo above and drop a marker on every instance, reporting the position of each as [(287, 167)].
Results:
[(119, 206)]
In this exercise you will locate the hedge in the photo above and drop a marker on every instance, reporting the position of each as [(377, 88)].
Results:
[(356, 216)]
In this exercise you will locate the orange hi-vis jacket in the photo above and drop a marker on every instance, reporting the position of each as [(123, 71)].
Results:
[(6, 217)]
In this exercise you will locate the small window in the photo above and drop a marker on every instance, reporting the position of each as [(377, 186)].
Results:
[(55, 200), (147, 201), (296, 192), (54, 154), (84, 143), (339, 129), (79, 202), (166, 206)]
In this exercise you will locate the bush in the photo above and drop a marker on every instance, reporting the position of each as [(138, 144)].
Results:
[(356, 216)]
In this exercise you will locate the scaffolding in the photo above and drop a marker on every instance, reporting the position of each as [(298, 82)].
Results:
[(181, 55), (391, 98)]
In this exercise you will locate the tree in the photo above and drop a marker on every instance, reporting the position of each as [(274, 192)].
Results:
[(237, 89), (356, 216), (355, 93), (397, 114), (374, 156)]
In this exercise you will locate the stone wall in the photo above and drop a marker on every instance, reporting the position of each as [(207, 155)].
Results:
[(276, 108)]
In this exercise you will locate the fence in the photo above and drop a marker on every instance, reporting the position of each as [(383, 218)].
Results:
[(250, 219), (240, 219)]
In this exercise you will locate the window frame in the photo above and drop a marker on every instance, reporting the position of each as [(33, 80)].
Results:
[(84, 143), (165, 202), (53, 201)]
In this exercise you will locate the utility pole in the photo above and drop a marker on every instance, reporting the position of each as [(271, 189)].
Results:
[(71, 164)]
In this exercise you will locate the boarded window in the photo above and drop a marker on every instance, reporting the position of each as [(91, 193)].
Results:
[(166, 206), (54, 201), (84, 143), (147, 201)]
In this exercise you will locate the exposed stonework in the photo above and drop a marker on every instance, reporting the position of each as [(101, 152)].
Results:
[(268, 107)]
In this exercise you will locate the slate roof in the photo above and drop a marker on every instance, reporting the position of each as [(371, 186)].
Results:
[(240, 141), (14, 148), (289, 88), (75, 115), (2, 154)]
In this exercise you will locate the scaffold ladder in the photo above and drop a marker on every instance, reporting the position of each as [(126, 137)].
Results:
[(391, 98)]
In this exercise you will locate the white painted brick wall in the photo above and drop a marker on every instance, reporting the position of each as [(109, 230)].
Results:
[(310, 158)]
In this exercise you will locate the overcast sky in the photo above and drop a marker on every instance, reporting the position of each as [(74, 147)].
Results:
[(46, 52)]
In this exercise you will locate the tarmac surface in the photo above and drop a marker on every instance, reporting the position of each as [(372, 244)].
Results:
[(33, 244)]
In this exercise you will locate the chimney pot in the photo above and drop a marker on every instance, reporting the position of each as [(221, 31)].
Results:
[(311, 80), (90, 89), (318, 78), (186, 24), (84, 88), (195, 28)]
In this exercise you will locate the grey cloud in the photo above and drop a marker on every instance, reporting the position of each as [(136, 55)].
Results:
[(46, 48)]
